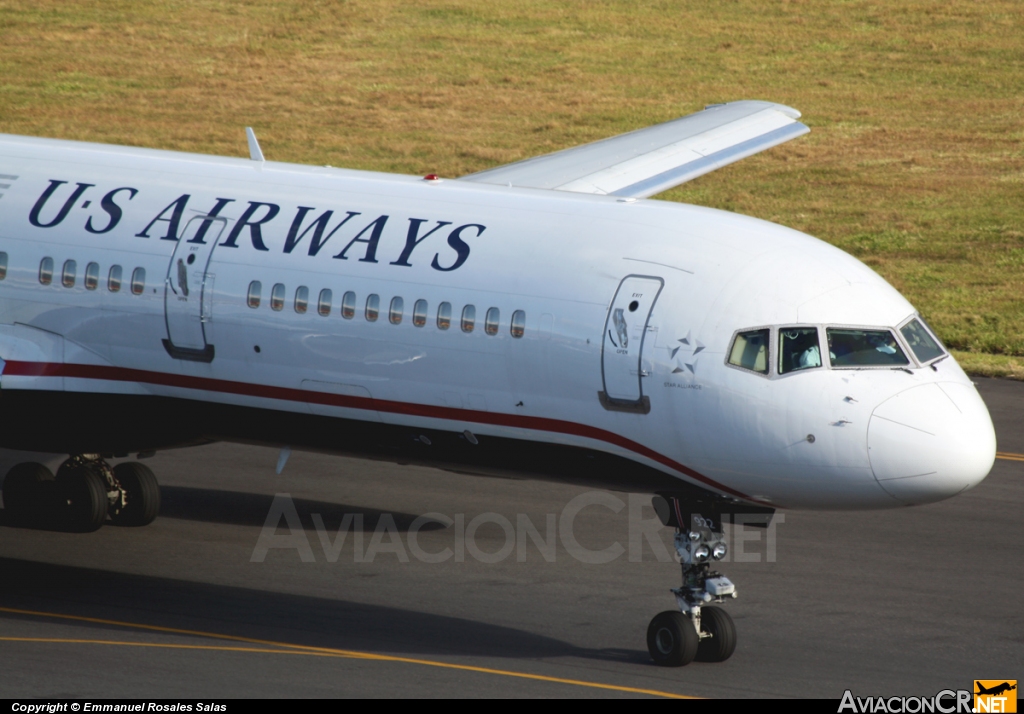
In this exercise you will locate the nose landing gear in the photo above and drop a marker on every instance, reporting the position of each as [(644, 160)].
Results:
[(84, 493), (698, 630)]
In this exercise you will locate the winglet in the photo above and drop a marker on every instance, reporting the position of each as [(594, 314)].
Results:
[(254, 146)]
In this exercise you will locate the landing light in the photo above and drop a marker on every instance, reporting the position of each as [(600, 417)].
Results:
[(719, 551), (694, 536), (701, 554)]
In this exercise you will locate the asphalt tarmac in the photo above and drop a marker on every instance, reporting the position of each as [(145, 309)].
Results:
[(896, 603)]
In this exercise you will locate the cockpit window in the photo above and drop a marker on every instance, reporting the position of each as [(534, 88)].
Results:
[(750, 351), (798, 349), (925, 347), (864, 348)]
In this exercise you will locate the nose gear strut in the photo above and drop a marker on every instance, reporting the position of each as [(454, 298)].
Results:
[(698, 630)]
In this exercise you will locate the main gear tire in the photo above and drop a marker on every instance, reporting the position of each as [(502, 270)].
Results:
[(142, 494), (28, 492), (83, 492), (672, 640), (717, 623)]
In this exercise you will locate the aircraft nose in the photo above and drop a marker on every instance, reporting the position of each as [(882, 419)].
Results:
[(931, 442)]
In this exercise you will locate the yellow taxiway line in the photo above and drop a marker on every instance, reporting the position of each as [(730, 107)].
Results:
[(272, 647), (1008, 456)]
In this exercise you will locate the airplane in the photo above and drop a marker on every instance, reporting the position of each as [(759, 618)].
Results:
[(540, 318), (997, 690)]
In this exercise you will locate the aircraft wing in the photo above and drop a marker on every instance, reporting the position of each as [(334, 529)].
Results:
[(649, 161)]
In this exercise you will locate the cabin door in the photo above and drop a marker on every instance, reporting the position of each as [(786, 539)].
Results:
[(188, 290), (625, 332)]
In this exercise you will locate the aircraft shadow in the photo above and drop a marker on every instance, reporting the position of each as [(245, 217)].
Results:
[(272, 616), (239, 508)]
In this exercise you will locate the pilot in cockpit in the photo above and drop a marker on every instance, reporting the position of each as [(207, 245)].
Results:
[(852, 347), (798, 349)]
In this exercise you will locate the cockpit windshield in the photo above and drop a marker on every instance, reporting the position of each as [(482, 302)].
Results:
[(750, 351), (925, 347), (798, 349), (864, 348)]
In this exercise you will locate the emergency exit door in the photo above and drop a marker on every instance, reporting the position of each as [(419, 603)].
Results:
[(188, 290), (622, 352)]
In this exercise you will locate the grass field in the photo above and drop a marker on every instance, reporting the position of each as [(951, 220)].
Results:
[(915, 162)]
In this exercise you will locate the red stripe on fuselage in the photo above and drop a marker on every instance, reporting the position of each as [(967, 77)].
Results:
[(207, 384)]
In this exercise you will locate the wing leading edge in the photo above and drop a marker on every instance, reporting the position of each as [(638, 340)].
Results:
[(649, 161)]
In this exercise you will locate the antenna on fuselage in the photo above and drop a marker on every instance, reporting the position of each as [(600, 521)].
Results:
[(254, 146), (282, 458)]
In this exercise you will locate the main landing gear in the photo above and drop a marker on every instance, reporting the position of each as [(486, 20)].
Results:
[(85, 491), (698, 630)]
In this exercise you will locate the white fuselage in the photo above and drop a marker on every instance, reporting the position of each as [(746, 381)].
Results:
[(815, 438)]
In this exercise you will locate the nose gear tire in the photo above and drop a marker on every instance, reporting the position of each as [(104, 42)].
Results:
[(671, 639), (717, 623)]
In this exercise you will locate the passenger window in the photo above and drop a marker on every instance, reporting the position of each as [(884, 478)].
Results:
[(395, 314), (301, 299), (864, 348), (46, 271), (277, 297), (921, 341), (372, 307), (348, 305), (114, 279), (419, 313), (444, 316), (3, 265), (138, 281), (252, 298), (492, 320), (798, 349), (468, 318), (323, 305), (92, 276), (67, 276), (750, 351), (518, 323)]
